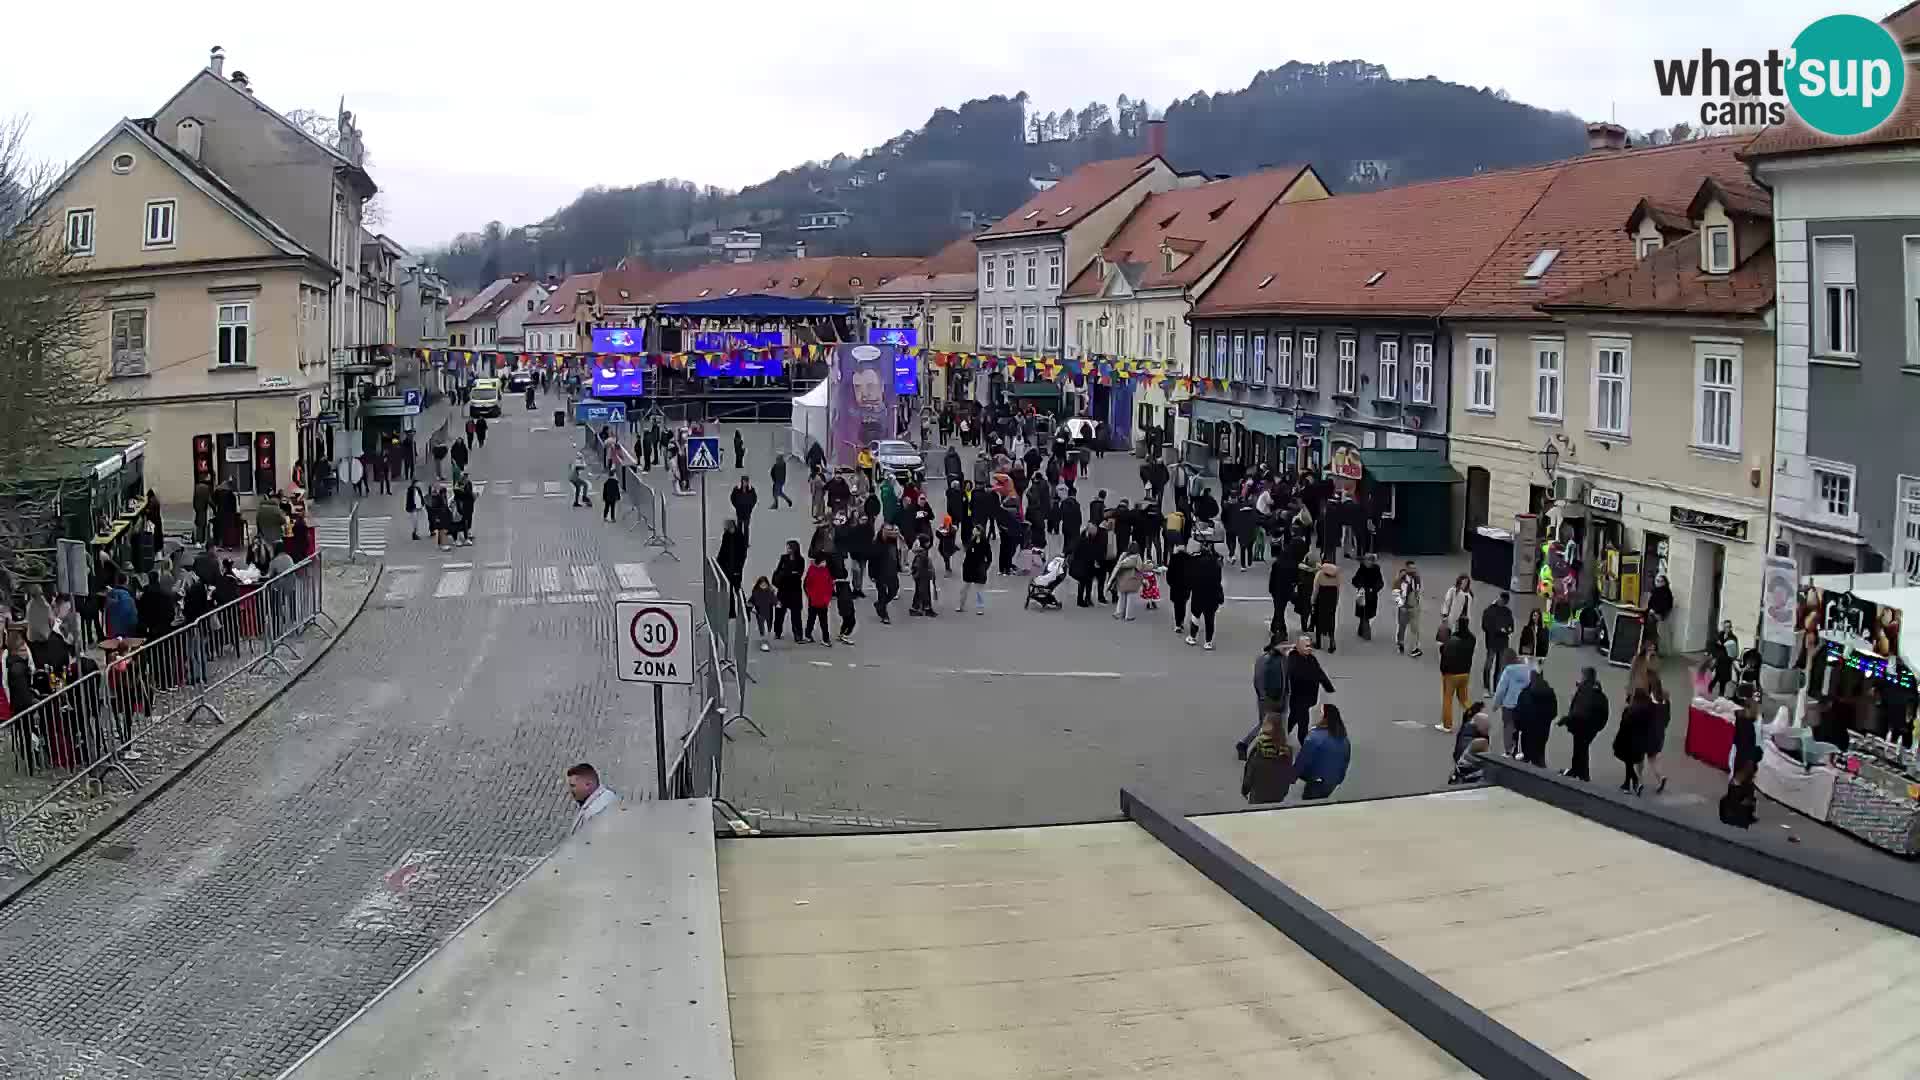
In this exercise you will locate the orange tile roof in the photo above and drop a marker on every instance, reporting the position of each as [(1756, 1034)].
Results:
[(843, 277), (557, 310), (1202, 222), (1580, 215), (632, 278), (1795, 137), (1670, 282), (954, 268), (1315, 257), (1078, 194), (1904, 25)]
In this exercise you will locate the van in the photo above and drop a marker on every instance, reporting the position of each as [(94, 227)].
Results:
[(484, 398)]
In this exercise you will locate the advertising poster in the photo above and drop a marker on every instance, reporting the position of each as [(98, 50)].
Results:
[(1779, 601), (619, 339), (864, 400), (616, 377)]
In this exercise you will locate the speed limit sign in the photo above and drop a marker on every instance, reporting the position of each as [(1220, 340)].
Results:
[(655, 642)]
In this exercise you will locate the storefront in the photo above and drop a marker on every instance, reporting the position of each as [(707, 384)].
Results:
[(1410, 493)]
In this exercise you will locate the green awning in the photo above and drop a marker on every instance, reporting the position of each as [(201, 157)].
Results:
[(1408, 467), (1033, 389)]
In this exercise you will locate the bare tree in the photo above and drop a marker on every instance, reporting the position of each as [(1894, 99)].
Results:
[(326, 129), (55, 397)]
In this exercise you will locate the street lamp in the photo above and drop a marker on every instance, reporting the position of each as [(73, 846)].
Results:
[(1549, 460)]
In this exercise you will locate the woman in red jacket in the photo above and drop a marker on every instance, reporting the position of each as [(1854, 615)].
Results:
[(818, 585)]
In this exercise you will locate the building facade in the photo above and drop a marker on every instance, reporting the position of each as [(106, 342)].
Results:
[(934, 299), (563, 321)]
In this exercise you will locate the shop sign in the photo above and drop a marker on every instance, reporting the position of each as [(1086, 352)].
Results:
[(275, 382), (306, 406), (1732, 528), (1346, 464), (1306, 425), (1604, 499), (1848, 620)]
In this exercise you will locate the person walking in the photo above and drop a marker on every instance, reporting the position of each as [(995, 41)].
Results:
[(1406, 608), (1269, 772), (1305, 679), (416, 506), (463, 501), (1656, 733), (1534, 640), (732, 555), (1269, 689), (577, 476), (407, 454), (202, 507), (762, 601), (1205, 591), (610, 497), (973, 572), (843, 596), (1124, 584), (1586, 718), (1455, 606), (1083, 562), (739, 450), (1324, 755), (883, 566), (1538, 706), (921, 568), (817, 493), (480, 430), (1456, 672), (1326, 601), (1515, 677), (1630, 740), (1282, 577), (789, 577), (462, 452), (1496, 628), (1368, 583), (947, 536), (777, 474), (744, 499), (592, 799), (818, 586)]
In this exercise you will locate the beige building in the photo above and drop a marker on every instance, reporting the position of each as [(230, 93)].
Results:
[(1131, 301), (214, 321), (937, 300), (1653, 386)]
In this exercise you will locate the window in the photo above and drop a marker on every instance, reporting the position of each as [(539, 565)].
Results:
[(954, 326), (1537, 269), (1031, 337), (80, 232), (1611, 389), (129, 342), (1283, 359), (856, 281), (1717, 408), (1053, 269), (1259, 373), (1834, 275), (1484, 358), (123, 163), (1033, 270), (1006, 325), (1906, 536), (986, 329), (1833, 493), (1173, 340), (1389, 385), (159, 223), (1913, 301), (235, 327), (1006, 267), (1053, 330), (1310, 362), (1423, 373), (986, 273), (1146, 337), (1239, 356), (1205, 346), (1719, 249), (1546, 378), (1219, 368), (1346, 375), (1645, 246)]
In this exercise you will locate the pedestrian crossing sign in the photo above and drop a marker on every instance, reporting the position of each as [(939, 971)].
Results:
[(703, 453)]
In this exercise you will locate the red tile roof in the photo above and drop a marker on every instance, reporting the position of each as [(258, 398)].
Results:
[(1580, 215), (1316, 257), (843, 277), (557, 310), (628, 281), (1078, 194), (506, 298), (1904, 25), (1795, 137), (954, 268), (1204, 223), (1670, 282)]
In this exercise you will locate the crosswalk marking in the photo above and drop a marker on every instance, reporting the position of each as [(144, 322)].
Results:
[(497, 582), (633, 575), (529, 487), (452, 583), (588, 578), (554, 489), (546, 579), (403, 586), (334, 533)]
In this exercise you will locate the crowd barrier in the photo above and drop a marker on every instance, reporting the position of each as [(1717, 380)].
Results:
[(86, 732)]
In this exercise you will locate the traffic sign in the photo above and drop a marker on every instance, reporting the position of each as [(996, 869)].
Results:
[(655, 643), (588, 413), (411, 397), (703, 453)]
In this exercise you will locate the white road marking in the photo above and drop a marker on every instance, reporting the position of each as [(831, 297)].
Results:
[(1036, 674), (571, 598), (456, 566), (554, 489), (404, 586), (529, 487), (522, 601), (633, 575), (640, 594), (1249, 599), (496, 582), (402, 569), (532, 429), (453, 583), (523, 496), (588, 578), (545, 579), (821, 663)]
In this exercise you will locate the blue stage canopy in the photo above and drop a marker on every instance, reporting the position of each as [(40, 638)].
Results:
[(757, 304)]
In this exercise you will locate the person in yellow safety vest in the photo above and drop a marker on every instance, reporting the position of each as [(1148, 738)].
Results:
[(1545, 588)]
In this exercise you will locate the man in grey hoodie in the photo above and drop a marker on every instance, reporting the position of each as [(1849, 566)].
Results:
[(1270, 690)]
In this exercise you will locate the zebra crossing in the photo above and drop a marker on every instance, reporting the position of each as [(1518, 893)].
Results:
[(519, 586), (335, 533), (541, 489)]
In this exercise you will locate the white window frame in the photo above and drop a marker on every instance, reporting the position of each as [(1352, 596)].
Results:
[(1557, 375), (151, 238), (1239, 374), (1906, 528), (1911, 254), (1644, 246), (1258, 362), (1817, 502), (1147, 335), (1346, 369), (956, 327), (1218, 367), (1600, 380), (81, 216), (1283, 359), (1827, 294), (1310, 361), (1705, 352), (1007, 329), (1204, 355), (986, 328), (1386, 383), (1006, 265), (1710, 260), (115, 366), (1029, 330), (1483, 380), (1033, 270), (1053, 269), (233, 322), (1053, 330), (986, 273), (1422, 389)]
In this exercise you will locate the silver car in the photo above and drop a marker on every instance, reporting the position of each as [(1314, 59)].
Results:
[(900, 458)]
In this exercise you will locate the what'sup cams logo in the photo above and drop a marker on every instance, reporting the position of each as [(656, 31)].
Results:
[(1843, 76)]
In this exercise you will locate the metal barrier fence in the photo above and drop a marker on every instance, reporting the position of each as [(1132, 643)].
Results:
[(86, 732)]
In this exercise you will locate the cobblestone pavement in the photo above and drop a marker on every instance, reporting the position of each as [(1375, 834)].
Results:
[(164, 747), (408, 778)]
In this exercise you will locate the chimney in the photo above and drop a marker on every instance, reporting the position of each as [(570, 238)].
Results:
[(1157, 137), (239, 79), (217, 62), (186, 137), (1604, 136)]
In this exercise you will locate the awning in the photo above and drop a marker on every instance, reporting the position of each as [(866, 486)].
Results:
[(1033, 389), (1408, 467), (757, 304)]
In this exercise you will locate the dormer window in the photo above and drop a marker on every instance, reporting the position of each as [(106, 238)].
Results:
[(702, 293), (1645, 246), (1065, 210), (1214, 214), (855, 282), (1538, 267), (1030, 215), (1719, 249)]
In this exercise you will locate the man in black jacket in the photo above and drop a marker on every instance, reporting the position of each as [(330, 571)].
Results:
[(1496, 626), (1270, 693), (744, 499), (1305, 680)]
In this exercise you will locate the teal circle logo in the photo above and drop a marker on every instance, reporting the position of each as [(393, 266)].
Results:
[(1847, 77)]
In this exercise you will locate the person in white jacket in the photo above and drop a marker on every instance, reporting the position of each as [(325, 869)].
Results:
[(1456, 605), (1406, 603), (583, 783)]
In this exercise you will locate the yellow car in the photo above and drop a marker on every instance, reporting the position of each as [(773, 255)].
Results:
[(484, 398)]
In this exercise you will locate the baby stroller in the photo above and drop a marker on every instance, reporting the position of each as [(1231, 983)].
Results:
[(1040, 589)]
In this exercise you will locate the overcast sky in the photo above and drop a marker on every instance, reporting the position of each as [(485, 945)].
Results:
[(476, 112)]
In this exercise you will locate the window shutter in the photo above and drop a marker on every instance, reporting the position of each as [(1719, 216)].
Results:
[(1834, 261)]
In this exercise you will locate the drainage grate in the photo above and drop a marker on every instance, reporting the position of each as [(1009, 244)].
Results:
[(115, 852)]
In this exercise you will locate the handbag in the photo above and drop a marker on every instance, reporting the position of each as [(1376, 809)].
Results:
[(1440, 633)]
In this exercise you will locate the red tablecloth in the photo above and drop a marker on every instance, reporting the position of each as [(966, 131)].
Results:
[(1709, 737)]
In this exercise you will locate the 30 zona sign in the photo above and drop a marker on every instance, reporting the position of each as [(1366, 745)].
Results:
[(655, 643)]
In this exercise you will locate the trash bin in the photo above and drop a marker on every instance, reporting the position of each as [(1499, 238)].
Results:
[(559, 418)]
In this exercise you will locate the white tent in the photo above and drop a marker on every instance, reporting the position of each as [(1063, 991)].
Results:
[(810, 421)]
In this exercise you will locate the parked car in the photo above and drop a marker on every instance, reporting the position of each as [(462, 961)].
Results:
[(900, 458)]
